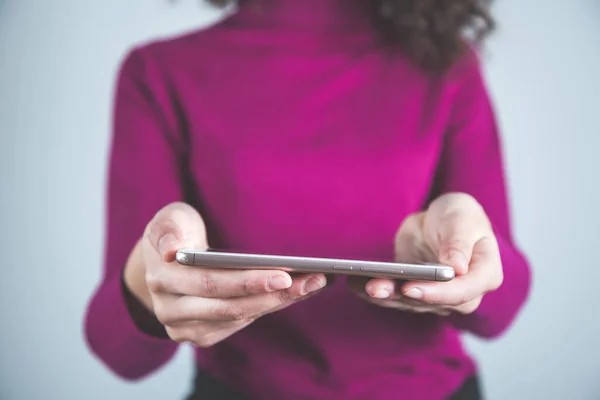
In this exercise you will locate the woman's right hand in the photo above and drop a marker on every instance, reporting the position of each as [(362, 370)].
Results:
[(204, 305)]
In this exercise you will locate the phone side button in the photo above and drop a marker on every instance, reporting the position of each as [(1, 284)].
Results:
[(342, 268)]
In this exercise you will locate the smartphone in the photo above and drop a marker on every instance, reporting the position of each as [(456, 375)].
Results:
[(374, 269)]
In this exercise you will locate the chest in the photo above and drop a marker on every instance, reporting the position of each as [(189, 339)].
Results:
[(325, 160)]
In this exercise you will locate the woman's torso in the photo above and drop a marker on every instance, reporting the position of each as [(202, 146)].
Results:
[(304, 146)]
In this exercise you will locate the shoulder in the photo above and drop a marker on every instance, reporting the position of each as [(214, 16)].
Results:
[(467, 94), (149, 76), (170, 48), (160, 58), (467, 74), (465, 78)]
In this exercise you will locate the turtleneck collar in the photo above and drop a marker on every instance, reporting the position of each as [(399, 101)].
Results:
[(316, 15)]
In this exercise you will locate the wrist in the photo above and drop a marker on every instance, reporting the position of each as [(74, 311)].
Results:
[(137, 297), (134, 277)]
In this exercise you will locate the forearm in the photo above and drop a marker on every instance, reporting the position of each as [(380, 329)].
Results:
[(120, 329), (144, 176), (137, 296), (471, 162)]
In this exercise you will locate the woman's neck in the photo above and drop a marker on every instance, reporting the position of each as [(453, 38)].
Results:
[(316, 15)]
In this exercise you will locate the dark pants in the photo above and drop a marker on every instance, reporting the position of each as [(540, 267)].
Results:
[(207, 388)]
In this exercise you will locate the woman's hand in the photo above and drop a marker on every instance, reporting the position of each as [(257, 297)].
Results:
[(203, 305), (454, 231)]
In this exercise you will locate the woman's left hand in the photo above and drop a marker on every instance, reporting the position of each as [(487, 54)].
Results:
[(454, 231)]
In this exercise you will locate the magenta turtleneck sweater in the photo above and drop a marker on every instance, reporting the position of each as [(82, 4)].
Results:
[(293, 132)]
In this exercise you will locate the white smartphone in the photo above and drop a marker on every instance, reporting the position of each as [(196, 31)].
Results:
[(374, 269)]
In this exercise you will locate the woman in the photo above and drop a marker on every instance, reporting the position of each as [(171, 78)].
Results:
[(339, 128)]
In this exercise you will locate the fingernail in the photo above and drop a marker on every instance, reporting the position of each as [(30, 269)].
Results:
[(459, 260), (383, 294), (313, 284), (414, 293), (166, 243), (279, 283)]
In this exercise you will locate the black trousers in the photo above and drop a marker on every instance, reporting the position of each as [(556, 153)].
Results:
[(208, 388)]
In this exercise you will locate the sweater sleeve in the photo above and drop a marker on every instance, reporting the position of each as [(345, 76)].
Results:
[(471, 162), (144, 175)]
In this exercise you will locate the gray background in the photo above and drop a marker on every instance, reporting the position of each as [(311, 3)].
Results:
[(57, 64)]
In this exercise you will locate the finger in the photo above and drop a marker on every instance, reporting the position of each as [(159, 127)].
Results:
[(173, 309), (382, 291), (402, 306), (303, 287), (380, 288), (401, 303), (372, 287), (469, 307), (485, 274), (455, 236), (409, 243), (387, 290), (176, 226), (215, 283)]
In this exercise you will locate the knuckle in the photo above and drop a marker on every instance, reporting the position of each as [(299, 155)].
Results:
[(459, 200), (435, 298), (246, 286), (457, 297), (463, 299), (497, 281), (170, 210), (400, 305), (474, 305), (283, 296), (175, 218), (442, 312), (231, 312), (154, 282), (455, 243), (411, 220), (208, 285), (163, 315), (469, 307), (450, 298), (205, 341), (179, 335), (423, 310), (452, 216), (411, 224), (151, 227), (179, 206), (161, 223)]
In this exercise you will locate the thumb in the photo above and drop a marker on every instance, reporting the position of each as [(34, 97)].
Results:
[(456, 252), (454, 223), (176, 226), (455, 237)]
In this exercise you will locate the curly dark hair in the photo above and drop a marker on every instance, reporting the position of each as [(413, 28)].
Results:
[(434, 33)]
